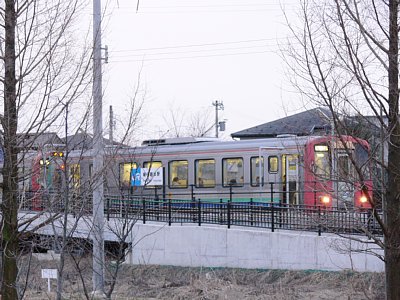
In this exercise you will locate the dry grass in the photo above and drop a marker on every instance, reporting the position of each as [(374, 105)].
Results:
[(156, 282)]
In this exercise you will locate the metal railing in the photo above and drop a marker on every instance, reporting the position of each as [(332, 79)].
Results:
[(253, 214), (310, 192), (225, 211)]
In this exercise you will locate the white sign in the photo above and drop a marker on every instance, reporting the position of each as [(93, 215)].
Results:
[(147, 177), (49, 274)]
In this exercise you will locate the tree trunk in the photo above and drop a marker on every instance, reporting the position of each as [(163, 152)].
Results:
[(10, 184), (392, 248)]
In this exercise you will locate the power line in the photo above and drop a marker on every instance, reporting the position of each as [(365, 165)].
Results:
[(191, 51), (198, 45), (148, 54), (267, 6), (214, 5), (226, 51), (191, 57), (205, 11), (209, 52)]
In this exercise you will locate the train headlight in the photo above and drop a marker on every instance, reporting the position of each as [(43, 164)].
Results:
[(363, 199), (43, 162), (325, 199), (57, 154)]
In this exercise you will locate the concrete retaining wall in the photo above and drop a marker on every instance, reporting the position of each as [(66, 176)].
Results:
[(237, 247), (209, 246)]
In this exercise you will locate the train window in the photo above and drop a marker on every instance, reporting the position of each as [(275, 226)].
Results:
[(57, 180), (74, 175), (42, 180), (273, 164), (322, 166), (256, 170), (152, 164), (345, 167), (232, 172), (362, 160), (178, 174), (49, 177), (125, 170), (205, 173), (321, 148), (23, 175)]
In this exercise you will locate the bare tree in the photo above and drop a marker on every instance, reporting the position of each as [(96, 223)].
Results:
[(200, 124), (71, 200), (182, 124), (345, 57), (40, 75)]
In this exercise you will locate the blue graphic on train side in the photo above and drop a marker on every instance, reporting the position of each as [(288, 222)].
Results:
[(136, 179)]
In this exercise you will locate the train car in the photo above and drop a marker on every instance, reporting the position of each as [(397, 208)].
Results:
[(316, 170), (46, 176)]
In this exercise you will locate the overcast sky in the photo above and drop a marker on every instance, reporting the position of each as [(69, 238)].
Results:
[(193, 52)]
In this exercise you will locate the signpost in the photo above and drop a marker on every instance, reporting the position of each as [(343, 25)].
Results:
[(49, 274)]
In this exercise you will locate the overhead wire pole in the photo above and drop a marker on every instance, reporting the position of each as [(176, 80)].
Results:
[(219, 105), (111, 137), (98, 151)]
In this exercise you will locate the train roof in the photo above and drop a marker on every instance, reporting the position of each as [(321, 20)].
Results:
[(184, 145), (178, 141)]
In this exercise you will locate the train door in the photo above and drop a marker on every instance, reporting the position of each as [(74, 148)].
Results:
[(257, 176), (74, 179), (274, 178), (290, 179), (343, 169)]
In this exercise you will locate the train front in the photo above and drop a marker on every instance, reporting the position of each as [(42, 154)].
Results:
[(47, 173), (337, 173)]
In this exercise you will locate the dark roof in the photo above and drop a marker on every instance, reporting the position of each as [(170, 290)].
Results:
[(37, 140), (81, 140), (84, 140), (301, 124), (365, 127)]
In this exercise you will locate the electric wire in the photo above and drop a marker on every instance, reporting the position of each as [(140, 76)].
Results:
[(150, 53), (201, 8), (190, 57), (196, 45)]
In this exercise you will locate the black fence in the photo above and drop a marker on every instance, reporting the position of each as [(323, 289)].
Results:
[(55, 202), (252, 214), (310, 192), (225, 211)]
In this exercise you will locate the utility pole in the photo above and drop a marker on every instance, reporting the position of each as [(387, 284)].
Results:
[(98, 151), (111, 126), (219, 105)]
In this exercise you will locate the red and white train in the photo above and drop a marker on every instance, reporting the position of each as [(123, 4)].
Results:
[(315, 170)]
